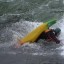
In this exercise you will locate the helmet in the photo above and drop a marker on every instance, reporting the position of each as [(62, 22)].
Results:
[(57, 31)]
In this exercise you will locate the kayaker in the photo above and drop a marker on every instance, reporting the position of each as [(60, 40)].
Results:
[(50, 34)]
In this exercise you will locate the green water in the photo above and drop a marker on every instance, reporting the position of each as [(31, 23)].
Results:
[(31, 10), (17, 18)]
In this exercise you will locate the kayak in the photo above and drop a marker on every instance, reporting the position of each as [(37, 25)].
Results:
[(34, 34)]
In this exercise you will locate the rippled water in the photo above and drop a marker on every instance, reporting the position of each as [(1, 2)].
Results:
[(19, 17)]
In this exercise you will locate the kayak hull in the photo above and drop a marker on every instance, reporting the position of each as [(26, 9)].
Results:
[(33, 35)]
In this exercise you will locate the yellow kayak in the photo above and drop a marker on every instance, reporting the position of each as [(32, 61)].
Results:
[(33, 35)]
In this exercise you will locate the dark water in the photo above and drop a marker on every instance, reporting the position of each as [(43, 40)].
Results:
[(17, 18)]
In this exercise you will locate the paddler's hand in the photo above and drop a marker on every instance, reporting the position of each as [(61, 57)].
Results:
[(18, 44), (58, 41)]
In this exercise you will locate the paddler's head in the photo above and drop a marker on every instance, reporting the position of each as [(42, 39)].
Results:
[(57, 31)]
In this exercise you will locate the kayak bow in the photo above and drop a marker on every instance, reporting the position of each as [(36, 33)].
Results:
[(33, 35)]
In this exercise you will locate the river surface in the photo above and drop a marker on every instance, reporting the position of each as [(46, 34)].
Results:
[(19, 17)]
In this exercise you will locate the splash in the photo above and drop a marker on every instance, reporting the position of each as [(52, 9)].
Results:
[(20, 29)]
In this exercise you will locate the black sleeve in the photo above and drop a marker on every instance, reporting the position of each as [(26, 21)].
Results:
[(41, 36)]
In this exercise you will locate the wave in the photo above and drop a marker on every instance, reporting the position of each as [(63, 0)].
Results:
[(13, 10)]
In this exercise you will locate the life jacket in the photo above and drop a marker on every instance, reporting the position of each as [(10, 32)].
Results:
[(47, 30), (48, 37)]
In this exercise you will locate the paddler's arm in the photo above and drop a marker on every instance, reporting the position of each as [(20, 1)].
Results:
[(55, 38)]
